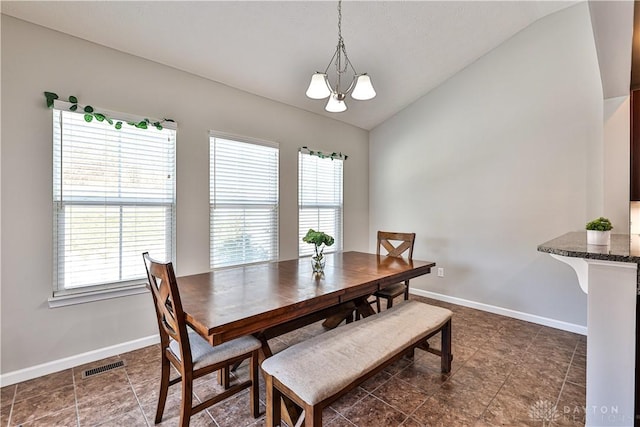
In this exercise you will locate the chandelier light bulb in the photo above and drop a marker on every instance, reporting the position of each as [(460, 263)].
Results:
[(363, 89), (318, 87), (335, 104)]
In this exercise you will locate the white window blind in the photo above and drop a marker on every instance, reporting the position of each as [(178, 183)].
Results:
[(243, 200), (114, 198), (319, 200)]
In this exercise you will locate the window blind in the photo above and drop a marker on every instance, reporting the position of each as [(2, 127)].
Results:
[(243, 201), (319, 199), (114, 198)]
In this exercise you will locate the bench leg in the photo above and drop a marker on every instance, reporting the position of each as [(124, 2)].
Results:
[(254, 393), (273, 403), (313, 416), (291, 411), (446, 356)]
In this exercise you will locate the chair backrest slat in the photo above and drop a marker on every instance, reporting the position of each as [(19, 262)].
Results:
[(396, 244), (166, 298)]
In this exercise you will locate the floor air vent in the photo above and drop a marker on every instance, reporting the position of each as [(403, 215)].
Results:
[(100, 369)]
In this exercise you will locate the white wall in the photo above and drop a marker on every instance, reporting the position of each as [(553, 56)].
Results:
[(34, 60), (617, 125), (498, 159)]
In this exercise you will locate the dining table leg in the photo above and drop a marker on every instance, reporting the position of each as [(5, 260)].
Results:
[(359, 305), (363, 307), (345, 313)]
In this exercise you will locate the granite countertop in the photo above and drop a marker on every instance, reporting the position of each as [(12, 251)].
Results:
[(574, 244)]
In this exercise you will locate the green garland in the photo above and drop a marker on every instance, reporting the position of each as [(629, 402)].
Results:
[(322, 155), (90, 114)]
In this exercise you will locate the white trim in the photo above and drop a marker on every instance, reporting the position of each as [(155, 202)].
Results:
[(245, 139), (69, 362), (545, 321), (91, 356), (63, 300), (618, 264)]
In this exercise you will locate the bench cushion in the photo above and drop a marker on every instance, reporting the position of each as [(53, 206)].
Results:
[(322, 366)]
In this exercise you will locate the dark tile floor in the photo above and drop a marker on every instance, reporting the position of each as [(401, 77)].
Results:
[(506, 372)]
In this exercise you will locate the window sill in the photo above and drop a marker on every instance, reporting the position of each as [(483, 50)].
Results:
[(99, 295)]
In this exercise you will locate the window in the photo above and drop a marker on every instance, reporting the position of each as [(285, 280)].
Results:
[(319, 199), (243, 197), (113, 199)]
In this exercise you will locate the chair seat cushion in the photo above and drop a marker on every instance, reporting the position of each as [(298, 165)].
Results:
[(318, 368), (203, 354), (391, 291)]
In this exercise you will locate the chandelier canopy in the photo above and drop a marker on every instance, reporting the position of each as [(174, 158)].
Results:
[(360, 86)]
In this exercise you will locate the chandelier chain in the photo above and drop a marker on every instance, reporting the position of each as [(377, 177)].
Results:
[(341, 67), (339, 20)]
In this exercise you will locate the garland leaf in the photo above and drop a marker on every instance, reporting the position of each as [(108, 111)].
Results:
[(50, 98), (332, 156), (90, 114)]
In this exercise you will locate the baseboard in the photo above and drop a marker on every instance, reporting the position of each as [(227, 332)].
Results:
[(558, 324), (91, 356), (69, 362)]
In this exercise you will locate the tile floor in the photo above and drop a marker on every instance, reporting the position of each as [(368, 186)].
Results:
[(506, 372)]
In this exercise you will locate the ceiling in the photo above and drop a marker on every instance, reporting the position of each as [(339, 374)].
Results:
[(271, 48), (612, 23)]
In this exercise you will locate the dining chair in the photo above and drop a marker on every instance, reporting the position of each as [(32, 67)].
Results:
[(191, 354), (395, 245)]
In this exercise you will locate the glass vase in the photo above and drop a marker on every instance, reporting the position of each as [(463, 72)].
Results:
[(317, 264)]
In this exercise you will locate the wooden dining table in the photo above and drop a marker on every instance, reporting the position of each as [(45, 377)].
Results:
[(269, 299)]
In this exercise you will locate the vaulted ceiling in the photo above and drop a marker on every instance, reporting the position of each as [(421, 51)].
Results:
[(271, 48)]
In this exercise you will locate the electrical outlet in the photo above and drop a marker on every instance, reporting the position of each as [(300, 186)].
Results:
[(440, 272)]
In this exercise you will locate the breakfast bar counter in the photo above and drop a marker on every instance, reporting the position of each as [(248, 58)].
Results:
[(574, 244), (609, 276)]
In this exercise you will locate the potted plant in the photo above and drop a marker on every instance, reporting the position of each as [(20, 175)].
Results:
[(320, 240), (599, 231)]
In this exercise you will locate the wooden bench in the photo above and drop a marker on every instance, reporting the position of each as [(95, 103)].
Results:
[(316, 372)]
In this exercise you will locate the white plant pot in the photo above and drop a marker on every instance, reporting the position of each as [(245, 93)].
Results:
[(600, 238)]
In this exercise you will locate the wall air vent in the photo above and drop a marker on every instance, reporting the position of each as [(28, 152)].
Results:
[(104, 368)]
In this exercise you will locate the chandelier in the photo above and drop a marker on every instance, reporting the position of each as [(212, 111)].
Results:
[(320, 86)]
